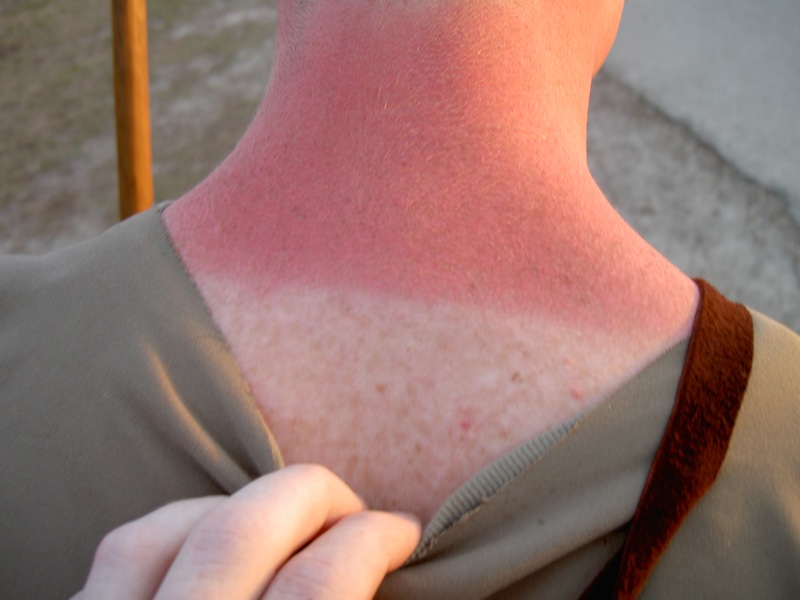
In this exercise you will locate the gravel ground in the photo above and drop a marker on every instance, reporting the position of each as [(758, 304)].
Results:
[(209, 65)]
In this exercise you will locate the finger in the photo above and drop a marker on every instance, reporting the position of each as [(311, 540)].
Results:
[(350, 560), (236, 550), (131, 561)]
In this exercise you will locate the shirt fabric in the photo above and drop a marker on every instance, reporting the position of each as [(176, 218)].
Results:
[(118, 394)]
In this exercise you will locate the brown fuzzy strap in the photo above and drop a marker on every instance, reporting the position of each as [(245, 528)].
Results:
[(709, 395)]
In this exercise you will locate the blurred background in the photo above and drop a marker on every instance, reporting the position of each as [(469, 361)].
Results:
[(694, 131)]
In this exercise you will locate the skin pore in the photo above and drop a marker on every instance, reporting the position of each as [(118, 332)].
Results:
[(406, 251)]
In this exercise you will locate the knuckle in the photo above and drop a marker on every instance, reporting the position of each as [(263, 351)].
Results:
[(310, 471), (307, 578), (128, 543), (225, 538), (368, 521)]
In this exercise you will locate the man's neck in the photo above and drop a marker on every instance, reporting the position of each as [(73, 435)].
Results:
[(408, 242), (436, 154)]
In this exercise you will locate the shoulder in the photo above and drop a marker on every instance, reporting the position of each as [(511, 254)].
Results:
[(74, 290), (776, 359), (742, 541)]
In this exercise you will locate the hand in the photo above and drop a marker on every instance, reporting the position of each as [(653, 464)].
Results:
[(297, 533)]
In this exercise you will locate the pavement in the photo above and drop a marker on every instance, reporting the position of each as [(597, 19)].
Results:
[(729, 70)]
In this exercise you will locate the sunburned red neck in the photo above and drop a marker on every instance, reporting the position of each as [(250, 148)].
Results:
[(439, 159)]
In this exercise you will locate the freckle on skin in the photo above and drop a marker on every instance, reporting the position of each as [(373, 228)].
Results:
[(516, 377)]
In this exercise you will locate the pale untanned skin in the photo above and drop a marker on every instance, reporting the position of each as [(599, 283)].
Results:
[(407, 252)]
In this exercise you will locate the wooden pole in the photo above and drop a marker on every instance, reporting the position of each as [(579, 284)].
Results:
[(134, 155)]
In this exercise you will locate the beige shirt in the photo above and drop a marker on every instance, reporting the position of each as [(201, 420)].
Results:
[(119, 394)]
